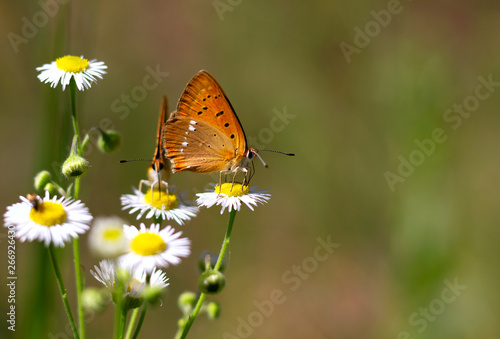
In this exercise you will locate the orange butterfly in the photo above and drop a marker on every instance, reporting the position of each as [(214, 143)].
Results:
[(205, 135)]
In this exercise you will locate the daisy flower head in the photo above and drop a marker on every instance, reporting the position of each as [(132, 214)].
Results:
[(138, 288), (150, 247), (231, 196), (106, 238), (158, 204), (105, 273), (63, 69), (50, 220)]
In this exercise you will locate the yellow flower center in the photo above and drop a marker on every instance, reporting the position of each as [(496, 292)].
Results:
[(133, 284), (112, 234), (148, 244), (48, 214), (72, 64), (160, 198), (236, 190)]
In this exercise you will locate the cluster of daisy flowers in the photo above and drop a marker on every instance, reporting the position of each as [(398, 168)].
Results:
[(141, 251), (57, 220), (171, 206)]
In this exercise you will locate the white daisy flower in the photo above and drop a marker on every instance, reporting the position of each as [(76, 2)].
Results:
[(105, 273), (106, 238), (151, 247), (49, 220), (158, 279), (159, 204), (231, 196), (63, 69)]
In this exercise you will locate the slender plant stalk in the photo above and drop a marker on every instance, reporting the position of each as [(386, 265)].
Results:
[(119, 306), (217, 266), (63, 291), (131, 323), (232, 215), (76, 242), (72, 91), (79, 285), (141, 320), (196, 310), (123, 320), (118, 314)]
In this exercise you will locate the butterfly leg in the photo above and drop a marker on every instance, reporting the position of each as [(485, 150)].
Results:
[(245, 181), (234, 177), (220, 183), (145, 182)]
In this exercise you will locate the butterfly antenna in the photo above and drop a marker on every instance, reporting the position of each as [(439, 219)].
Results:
[(130, 160), (262, 160), (271, 150)]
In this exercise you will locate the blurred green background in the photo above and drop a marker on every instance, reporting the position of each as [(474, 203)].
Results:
[(353, 115)]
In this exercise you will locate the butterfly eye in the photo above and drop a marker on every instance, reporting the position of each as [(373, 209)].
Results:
[(250, 155), (154, 167)]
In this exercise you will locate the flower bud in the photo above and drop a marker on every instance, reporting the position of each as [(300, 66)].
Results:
[(202, 261), (132, 302), (94, 299), (123, 276), (181, 323), (51, 189), (152, 294), (211, 282), (213, 310), (42, 179), (74, 166), (186, 302), (109, 141)]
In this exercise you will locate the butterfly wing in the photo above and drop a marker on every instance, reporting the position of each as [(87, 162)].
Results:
[(160, 166), (204, 135), (196, 146)]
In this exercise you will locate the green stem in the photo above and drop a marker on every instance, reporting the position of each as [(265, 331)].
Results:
[(131, 323), (217, 266), (118, 314), (123, 320), (63, 291), (77, 188), (76, 243), (141, 320), (86, 138), (79, 286), (232, 215), (119, 306), (72, 92), (182, 334)]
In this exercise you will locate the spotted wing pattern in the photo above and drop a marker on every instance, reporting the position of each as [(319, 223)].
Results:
[(204, 135)]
